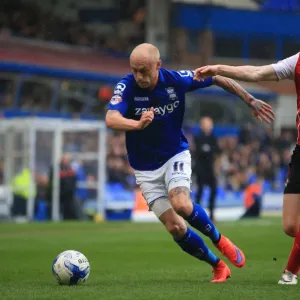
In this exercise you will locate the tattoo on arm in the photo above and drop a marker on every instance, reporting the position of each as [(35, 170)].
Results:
[(180, 190), (233, 87)]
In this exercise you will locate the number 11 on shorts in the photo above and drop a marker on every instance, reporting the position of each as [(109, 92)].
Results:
[(178, 166)]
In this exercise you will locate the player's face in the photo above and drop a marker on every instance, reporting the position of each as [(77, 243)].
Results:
[(206, 124), (145, 73)]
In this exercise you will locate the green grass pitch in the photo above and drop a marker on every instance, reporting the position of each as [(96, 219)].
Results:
[(139, 261)]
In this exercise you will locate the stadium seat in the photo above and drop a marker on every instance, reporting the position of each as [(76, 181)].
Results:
[(267, 186)]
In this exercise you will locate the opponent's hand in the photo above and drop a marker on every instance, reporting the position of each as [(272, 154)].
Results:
[(204, 72), (261, 111), (146, 118)]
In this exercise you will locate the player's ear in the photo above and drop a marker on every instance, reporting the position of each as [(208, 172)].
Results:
[(159, 64)]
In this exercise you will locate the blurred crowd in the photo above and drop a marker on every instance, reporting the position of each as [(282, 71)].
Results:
[(256, 153), (118, 168), (30, 21), (39, 95), (253, 156), (242, 159)]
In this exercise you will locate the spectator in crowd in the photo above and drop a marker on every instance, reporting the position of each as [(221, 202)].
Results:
[(69, 207), (253, 199), (22, 189)]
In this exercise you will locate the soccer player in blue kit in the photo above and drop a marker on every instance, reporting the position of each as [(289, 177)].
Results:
[(149, 105)]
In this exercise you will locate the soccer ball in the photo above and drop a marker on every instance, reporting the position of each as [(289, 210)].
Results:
[(71, 268)]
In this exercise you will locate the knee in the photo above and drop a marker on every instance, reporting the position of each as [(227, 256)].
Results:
[(290, 228), (180, 200), (184, 208), (176, 229)]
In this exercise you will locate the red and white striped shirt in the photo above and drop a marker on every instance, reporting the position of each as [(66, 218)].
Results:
[(289, 68)]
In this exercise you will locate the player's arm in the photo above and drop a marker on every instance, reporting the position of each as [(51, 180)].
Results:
[(250, 73), (283, 69), (260, 109), (244, 73), (115, 120), (185, 80), (117, 109)]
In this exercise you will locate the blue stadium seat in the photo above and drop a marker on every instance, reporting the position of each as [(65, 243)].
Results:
[(267, 186), (290, 5), (41, 211), (221, 193), (252, 179)]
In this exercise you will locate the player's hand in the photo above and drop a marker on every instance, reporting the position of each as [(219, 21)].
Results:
[(146, 118), (261, 111), (205, 72)]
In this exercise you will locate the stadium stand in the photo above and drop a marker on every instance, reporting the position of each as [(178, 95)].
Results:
[(76, 23)]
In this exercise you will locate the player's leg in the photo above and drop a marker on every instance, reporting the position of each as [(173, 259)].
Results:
[(212, 198), (188, 240), (290, 220), (178, 182), (199, 189), (290, 214), (153, 187)]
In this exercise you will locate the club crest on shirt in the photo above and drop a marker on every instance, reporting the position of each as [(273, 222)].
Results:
[(172, 93), (120, 88), (116, 100)]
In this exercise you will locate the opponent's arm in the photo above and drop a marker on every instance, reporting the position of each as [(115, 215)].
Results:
[(260, 109), (232, 87), (244, 73), (116, 121), (284, 69)]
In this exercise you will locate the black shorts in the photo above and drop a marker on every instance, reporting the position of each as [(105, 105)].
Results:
[(292, 185)]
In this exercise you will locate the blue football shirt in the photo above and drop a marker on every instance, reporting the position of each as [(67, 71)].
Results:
[(152, 147)]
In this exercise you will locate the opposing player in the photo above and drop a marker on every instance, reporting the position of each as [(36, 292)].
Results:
[(288, 68), (149, 105)]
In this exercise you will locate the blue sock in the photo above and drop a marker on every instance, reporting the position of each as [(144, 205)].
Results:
[(193, 244), (200, 220)]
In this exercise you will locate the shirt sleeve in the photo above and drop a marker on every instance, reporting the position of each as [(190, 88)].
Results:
[(285, 69), (120, 98), (186, 80)]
